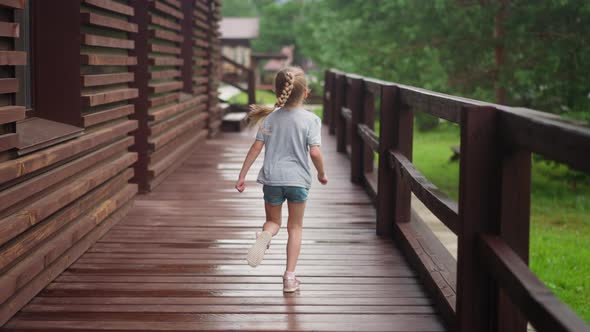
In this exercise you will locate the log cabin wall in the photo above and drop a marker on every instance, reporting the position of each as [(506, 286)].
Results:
[(175, 119), (115, 106)]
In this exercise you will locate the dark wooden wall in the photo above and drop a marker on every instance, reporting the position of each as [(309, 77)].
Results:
[(175, 109), (138, 124)]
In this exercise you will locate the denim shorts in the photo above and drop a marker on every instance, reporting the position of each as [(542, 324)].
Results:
[(276, 195)]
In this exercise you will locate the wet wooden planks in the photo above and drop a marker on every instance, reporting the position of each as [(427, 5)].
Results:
[(176, 262)]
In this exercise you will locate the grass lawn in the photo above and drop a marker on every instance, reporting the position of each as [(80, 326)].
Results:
[(560, 223)]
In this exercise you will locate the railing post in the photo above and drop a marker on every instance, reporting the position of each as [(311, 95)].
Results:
[(340, 122), (400, 121), (327, 97), (478, 213), (515, 201), (368, 107), (334, 113), (385, 187), (355, 104)]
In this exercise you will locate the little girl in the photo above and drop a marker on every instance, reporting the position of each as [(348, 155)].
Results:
[(289, 133)]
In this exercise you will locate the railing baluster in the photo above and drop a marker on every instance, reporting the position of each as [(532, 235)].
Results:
[(478, 213), (515, 201), (356, 95), (340, 122)]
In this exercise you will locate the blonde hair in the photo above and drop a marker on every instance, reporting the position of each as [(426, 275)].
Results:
[(290, 89)]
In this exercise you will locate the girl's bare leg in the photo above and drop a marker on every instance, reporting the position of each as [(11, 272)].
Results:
[(295, 229), (273, 218)]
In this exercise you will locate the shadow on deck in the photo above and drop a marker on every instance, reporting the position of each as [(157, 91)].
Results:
[(177, 262)]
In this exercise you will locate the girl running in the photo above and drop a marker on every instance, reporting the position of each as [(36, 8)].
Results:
[(289, 134)]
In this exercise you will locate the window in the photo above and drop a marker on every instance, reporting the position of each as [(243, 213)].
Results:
[(49, 119)]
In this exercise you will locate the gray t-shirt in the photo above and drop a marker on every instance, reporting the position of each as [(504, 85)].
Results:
[(287, 135)]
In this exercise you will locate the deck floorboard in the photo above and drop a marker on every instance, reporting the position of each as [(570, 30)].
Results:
[(177, 262)]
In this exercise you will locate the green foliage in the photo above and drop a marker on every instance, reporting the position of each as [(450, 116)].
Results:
[(445, 45)]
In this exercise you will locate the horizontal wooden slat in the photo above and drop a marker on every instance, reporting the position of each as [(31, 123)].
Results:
[(17, 4), (165, 61), (8, 85), (113, 6), (174, 3), (171, 110), (442, 206), (108, 60), (19, 222), (158, 20), (156, 143), (95, 40), (201, 43), (108, 97), (108, 22), (166, 35), (540, 306), (157, 48), (108, 115), (202, 25), (162, 100), (161, 127), (8, 141), (9, 29), (11, 113), (163, 74), (165, 87), (106, 79), (13, 58), (163, 8), (368, 136), (13, 169)]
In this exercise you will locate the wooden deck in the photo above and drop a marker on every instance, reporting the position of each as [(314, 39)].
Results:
[(177, 262)]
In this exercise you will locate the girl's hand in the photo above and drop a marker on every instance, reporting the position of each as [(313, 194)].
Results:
[(241, 184), (323, 179)]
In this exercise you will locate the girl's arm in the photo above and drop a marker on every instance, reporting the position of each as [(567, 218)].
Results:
[(250, 158), (318, 162)]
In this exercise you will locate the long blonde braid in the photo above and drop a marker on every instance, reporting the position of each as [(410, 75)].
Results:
[(292, 85), (287, 89)]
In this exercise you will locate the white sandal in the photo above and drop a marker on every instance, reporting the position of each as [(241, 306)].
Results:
[(257, 251)]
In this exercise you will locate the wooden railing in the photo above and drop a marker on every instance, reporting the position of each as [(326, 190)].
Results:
[(243, 78), (489, 287)]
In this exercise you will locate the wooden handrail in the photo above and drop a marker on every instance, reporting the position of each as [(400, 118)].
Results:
[(545, 311), (441, 205), (491, 219), (368, 136), (235, 64)]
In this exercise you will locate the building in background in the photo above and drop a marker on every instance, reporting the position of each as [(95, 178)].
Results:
[(237, 34)]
